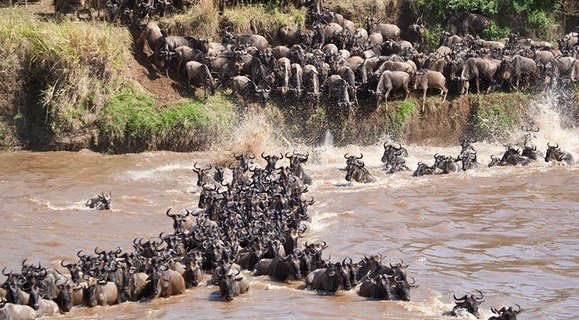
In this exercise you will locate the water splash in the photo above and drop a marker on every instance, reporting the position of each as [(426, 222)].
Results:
[(328, 140), (551, 112)]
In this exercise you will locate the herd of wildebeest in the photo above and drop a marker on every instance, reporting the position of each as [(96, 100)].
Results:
[(332, 59), (247, 218), (255, 220)]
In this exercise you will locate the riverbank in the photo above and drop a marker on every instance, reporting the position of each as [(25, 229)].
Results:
[(71, 85)]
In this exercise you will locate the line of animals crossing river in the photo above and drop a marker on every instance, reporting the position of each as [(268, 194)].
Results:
[(245, 226)]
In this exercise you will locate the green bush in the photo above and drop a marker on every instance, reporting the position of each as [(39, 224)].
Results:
[(494, 31), (486, 7), (432, 36)]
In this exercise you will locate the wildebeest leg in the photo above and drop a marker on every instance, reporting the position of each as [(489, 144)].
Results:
[(443, 93), (407, 93), (379, 102), (424, 98), (465, 87), (477, 85)]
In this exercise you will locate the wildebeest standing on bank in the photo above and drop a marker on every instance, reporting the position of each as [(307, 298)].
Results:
[(391, 80), (198, 75), (426, 79), (249, 91)]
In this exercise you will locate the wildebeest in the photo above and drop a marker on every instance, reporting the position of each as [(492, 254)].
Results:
[(16, 311), (331, 279), (517, 69), (249, 91), (355, 170), (505, 313), (532, 153), (388, 31), (554, 153), (426, 79), (100, 201), (468, 303), (100, 292), (198, 75), (378, 287), (286, 268), (424, 169), (391, 80), (478, 69), (231, 284), (393, 158)]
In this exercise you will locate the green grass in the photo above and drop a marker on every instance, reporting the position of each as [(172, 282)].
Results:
[(131, 121)]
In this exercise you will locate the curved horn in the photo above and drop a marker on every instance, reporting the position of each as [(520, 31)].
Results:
[(495, 311), (167, 213), (481, 295), (548, 144), (3, 272), (519, 308), (459, 299), (262, 155), (346, 156)]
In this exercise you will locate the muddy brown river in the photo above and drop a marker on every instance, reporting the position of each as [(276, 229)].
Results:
[(509, 232)]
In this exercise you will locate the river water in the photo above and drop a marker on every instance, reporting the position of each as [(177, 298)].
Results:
[(509, 232)]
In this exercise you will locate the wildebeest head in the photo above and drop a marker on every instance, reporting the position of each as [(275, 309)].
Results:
[(390, 150), (353, 167), (531, 152), (423, 169), (100, 202), (226, 279), (34, 297), (555, 154), (468, 160), (505, 313), (263, 95), (244, 160), (64, 297), (351, 158), (294, 261), (202, 174), (12, 284), (469, 303), (271, 161), (368, 265)]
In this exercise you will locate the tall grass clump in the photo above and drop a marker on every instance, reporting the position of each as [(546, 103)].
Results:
[(261, 19), (201, 20), (73, 65)]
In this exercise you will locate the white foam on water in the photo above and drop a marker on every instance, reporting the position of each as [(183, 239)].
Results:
[(155, 173)]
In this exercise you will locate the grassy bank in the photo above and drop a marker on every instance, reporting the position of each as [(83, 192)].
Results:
[(61, 73), (132, 122)]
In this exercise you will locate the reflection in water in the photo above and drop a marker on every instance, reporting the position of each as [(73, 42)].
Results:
[(510, 232)]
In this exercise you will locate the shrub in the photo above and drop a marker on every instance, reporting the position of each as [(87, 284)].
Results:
[(494, 31)]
